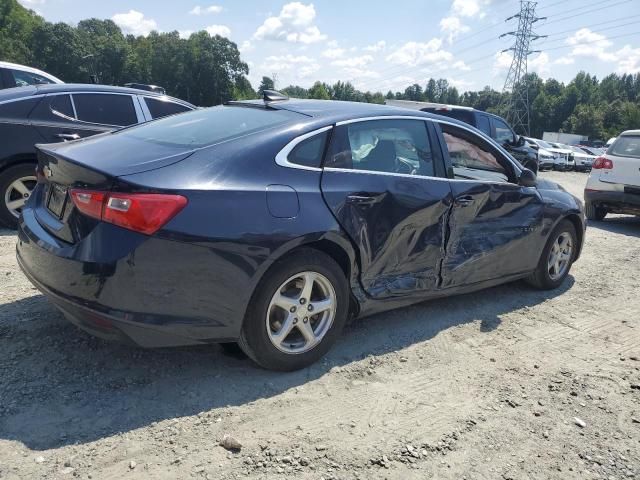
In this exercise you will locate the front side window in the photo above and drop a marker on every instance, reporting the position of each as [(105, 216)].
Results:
[(503, 133), (163, 108), (24, 79), (387, 146), (105, 109), (471, 157)]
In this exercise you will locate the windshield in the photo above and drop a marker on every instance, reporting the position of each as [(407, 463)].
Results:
[(204, 127), (577, 149)]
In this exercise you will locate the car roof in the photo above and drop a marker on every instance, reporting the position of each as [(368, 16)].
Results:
[(332, 111), (18, 92), (630, 132), (25, 68)]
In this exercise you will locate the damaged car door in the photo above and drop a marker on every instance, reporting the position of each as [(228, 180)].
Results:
[(495, 223), (387, 189)]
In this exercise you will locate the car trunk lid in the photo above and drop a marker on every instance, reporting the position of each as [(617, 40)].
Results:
[(59, 172)]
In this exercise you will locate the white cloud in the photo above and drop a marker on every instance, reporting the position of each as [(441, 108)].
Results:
[(416, 53), (198, 10), (564, 61), (540, 65), (134, 22), (629, 60), (308, 70), (461, 85), (285, 62), (376, 47), (221, 30), (467, 8), (502, 60), (246, 46), (353, 62), (460, 65), (31, 3), (294, 24), (452, 26), (590, 44), (334, 52), (185, 33)]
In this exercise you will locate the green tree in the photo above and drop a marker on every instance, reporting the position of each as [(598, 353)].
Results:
[(265, 84), (319, 92)]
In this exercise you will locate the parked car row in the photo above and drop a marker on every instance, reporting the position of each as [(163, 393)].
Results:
[(59, 113)]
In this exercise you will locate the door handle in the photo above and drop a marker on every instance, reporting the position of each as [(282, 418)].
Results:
[(464, 201), (361, 199), (67, 136)]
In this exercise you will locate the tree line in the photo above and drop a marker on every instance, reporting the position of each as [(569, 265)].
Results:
[(208, 70)]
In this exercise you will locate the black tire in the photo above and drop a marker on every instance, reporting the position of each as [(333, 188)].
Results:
[(254, 338), (7, 177), (594, 213), (541, 277)]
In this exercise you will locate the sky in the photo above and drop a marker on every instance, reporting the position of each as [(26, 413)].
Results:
[(382, 45)]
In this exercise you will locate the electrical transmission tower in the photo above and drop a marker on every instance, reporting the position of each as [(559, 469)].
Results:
[(517, 101)]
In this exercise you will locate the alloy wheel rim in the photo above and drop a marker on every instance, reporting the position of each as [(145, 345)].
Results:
[(18, 193), (301, 312), (560, 256)]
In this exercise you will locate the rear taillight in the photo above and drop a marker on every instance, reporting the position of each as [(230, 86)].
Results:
[(141, 212), (602, 162)]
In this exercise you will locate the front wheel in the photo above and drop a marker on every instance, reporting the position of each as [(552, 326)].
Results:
[(557, 257), (16, 185), (297, 312)]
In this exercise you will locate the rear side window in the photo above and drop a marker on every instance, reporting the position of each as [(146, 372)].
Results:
[(308, 153), (626, 146), (208, 126), (54, 108), (386, 146), (163, 108), (105, 109)]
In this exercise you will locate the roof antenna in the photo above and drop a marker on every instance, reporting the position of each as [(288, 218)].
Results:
[(273, 96)]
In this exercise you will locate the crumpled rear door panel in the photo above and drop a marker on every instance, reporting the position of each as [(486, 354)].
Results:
[(397, 223)]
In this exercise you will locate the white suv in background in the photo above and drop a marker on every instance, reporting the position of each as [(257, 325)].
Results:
[(614, 183), (14, 75)]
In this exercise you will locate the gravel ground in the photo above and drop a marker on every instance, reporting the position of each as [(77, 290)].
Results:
[(505, 383)]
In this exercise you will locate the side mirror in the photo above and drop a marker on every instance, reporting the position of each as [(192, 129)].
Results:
[(527, 178), (519, 141)]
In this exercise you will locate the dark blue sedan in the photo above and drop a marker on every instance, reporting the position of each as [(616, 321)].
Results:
[(270, 223)]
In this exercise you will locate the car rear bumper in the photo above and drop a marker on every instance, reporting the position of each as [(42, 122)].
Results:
[(614, 201), (160, 293)]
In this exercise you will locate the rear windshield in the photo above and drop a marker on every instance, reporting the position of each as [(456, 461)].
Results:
[(626, 146), (204, 127)]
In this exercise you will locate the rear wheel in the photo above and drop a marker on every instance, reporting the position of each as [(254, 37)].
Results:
[(557, 257), (297, 312), (16, 185), (595, 213)]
